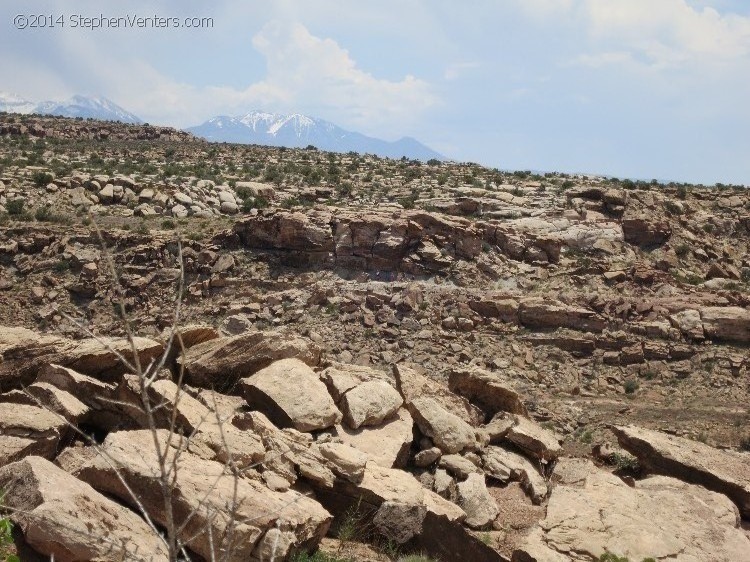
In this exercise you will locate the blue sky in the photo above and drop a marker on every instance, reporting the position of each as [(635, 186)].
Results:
[(631, 88)]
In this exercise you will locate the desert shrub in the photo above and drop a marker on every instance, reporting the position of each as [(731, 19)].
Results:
[(41, 179), (15, 207), (630, 386)]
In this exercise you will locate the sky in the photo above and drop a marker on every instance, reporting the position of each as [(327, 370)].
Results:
[(629, 88)]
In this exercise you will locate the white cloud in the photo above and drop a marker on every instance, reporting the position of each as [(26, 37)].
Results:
[(670, 32), (306, 70)]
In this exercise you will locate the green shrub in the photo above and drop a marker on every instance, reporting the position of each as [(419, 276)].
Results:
[(15, 207), (41, 179), (630, 386)]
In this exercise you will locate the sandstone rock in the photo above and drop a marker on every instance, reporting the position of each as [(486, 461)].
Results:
[(399, 522), (386, 445), (53, 399), (369, 403), (29, 430), (477, 502), (427, 457), (220, 363), (730, 323), (291, 395), (486, 389), (190, 335), (504, 466), (212, 437), (689, 323), (458, 466), (726, 472), (24, 352), (67, 519), (347, 461), (644, 232), (533, 439), (411, 385), (543, 313), (449, 432), (199, 482), (92, 392), (603, 514), (289, 453)]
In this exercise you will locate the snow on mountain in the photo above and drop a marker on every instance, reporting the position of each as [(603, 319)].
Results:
[(77, 106), (15, 104), (299, 131)]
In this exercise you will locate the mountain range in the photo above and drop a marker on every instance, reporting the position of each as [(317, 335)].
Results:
[(257, 127), (299, 131), (77, 106)]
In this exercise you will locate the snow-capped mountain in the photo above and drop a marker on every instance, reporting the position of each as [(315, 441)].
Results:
[(77, 106), (15, 104), (299, 131)]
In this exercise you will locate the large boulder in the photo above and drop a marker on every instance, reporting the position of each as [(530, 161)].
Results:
[(24, 352), (369, 403), (412, 384), (659, 518), (726, 472), (386, 445), (291, 395), (533, 439), (447, 431), (266, 523), (220, 363), (487, 390), (29, 430), (66, 519), (477, 502), (728, 323)]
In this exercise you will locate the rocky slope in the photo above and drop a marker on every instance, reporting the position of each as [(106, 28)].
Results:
[(510, 366)]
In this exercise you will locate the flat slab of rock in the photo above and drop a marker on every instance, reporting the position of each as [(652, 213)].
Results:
[(28, 430), (206, 487), (533, 439), (659, 517), (221, 362), (291, 395), (386, 445), (729, 323), (24, 352), (726, 472), (486, 389), (64, 517)]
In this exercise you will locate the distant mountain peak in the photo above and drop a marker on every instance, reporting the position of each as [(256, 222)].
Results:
[(296, 130), (87, 107)]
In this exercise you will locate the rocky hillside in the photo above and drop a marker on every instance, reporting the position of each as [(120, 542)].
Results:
[(432, 358)]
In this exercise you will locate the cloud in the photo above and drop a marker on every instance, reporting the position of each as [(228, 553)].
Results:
[(670, 32), (305, 70)]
